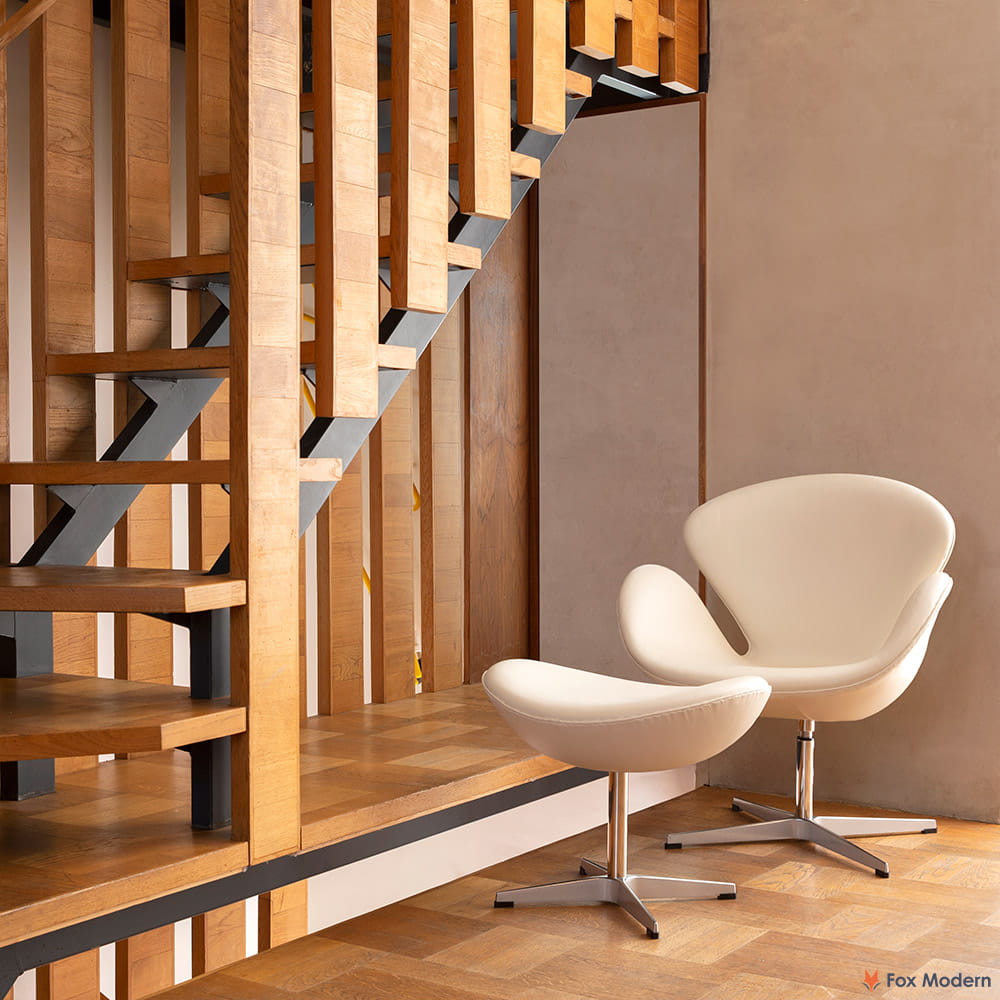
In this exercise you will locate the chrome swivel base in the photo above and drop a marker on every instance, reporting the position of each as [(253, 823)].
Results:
[(826, 831), (618, 887)]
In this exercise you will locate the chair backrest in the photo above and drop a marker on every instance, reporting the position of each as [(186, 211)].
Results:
[(816, 569)]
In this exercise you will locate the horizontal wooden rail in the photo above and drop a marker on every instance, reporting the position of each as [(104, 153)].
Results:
[(320, 470), (93, 473)]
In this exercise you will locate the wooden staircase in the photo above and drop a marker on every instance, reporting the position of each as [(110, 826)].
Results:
[(429, 121)]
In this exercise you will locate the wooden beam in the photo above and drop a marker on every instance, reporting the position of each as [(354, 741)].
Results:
[(679, 67), (282, 915), (638, 40), (218, 938), (391, 545), (396, 356), (484, 108), (264, 322), (320, 470), (345, 133), (541, 66), (140, 98), (22, 19), (340, 596), (4, 309), (442, 507), (592, 27), (419, 182)]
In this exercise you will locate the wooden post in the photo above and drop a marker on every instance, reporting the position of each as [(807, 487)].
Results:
[(340, 597), (638, 38), (218, 938), (74, 978), (62, 271), (207, 141), (442, 507), (419, 182), (264, 423), (391, 521), (484, 108), (541, 65), (345, 83), (679, 55), (282, 915), (144, 964), (140, 94), (592, 27)]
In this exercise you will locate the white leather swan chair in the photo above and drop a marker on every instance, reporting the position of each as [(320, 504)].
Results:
[(616, 725), (836, 581)]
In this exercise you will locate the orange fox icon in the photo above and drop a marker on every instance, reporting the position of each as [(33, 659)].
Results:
[(871, 980)]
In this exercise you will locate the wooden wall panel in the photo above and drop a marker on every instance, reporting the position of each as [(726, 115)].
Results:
[(345, 81), (442, 508), (592, 27), (391, 521), (141, 230), (541, 65), (264, 327), (62, 269), (340, 596), (501, 515), (282, 915), (218, 938), (484, 108), (144, 964), (419, 186), (75, 978), (207, 152)]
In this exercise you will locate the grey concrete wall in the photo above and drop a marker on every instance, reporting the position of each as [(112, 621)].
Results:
[(618, 376), (854, 325)]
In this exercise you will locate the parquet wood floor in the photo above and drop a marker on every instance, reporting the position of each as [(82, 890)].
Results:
[(805, 926), (118, 834)]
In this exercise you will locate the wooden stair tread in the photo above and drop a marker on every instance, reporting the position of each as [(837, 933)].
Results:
[(197, 270), (60, 715), (115, 588)]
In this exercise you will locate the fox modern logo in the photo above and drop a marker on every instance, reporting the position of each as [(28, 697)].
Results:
[(960, 980), (871, 981)]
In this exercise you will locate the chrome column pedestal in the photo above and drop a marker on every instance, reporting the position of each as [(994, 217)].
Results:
[(611, 883), (826, 831)]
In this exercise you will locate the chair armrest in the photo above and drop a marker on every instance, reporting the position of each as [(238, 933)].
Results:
[(666, 628)]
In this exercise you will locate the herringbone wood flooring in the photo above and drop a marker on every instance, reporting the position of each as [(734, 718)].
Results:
[(805, 926)]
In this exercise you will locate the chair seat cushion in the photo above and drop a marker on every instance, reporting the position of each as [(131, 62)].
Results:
[(612, 724)]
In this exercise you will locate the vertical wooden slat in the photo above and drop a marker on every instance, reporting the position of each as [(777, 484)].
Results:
[(4, 312), (340, 597), (62, 270), (638, 39), (218, 938), (345, 81), (541, 65), (484, 108), (419, 184), (442, 509), (141, 230), (207, 152), (679, 55), (592, 27), (264, 422), (282, 915), (391, 521), (74, 978), (303, 629), (144, 964)]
